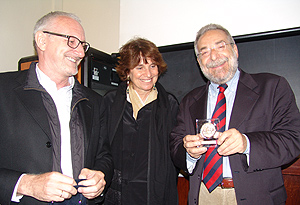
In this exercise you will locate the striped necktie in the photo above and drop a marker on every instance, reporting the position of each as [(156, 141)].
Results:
[(213, 162)]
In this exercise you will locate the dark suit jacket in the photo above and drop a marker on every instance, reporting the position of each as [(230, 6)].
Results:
[(25, 133), (265, 110)]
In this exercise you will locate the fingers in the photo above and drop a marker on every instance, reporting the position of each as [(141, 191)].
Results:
[(193, 145), (64, 183), (191, 141), (64, 195), (51, 186), (54, 186), (197, 151), (94, 183), (231, 142), (61, 195), (61, 185)]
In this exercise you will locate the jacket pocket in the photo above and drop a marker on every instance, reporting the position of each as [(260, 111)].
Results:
[(279, 195)]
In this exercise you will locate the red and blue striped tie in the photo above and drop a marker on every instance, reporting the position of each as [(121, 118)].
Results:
[(213, 163)]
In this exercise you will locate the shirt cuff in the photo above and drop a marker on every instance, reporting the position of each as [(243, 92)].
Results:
[(15, 197), (191, 162), (247, 151)]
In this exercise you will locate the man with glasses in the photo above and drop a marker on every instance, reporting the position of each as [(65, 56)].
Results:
[(261, 128), (54, 146)]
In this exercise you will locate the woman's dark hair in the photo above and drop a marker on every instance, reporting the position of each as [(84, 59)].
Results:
[(133, 51)]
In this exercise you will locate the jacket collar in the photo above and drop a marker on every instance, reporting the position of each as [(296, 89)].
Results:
[(245, 99), (31, 99)]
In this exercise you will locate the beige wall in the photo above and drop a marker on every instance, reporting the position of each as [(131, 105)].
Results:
[(111, 23), (100, 18)]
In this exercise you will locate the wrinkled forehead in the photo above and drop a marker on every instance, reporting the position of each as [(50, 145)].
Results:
[(212, 37)]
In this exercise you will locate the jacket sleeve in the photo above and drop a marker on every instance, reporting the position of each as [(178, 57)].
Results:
[(8, 180), (178, 152), (278, 143), (103, 158)]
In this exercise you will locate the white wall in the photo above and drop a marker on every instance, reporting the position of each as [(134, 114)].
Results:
[(100, 19), (17, 18), (167, 22)]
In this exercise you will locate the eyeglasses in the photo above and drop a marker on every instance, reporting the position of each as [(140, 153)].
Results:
[(204, 52), (73, 42)]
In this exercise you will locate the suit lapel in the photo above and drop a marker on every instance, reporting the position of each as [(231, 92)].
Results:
[(31, 98), (32, 101), (245, 100)]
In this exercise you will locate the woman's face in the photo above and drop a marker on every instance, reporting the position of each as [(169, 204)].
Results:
[(144, 76)]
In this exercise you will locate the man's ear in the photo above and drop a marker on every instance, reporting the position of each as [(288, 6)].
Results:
[(198, 61), (40, 39), (236, 50)]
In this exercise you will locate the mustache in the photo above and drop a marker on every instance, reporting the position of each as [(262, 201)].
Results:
[(217, 62)]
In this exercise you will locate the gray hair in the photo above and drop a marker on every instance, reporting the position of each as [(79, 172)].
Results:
[(210, 27), (46, 20)]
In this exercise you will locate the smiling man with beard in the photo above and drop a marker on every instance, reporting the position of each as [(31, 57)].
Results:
[(260, 122), (54, 146)]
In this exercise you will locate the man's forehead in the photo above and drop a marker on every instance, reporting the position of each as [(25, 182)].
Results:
[(68, 26), (212, 37)]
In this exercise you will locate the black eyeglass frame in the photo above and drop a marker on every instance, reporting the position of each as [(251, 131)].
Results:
[(84, 44)]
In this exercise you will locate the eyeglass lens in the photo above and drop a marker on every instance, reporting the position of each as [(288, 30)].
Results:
[(218, 47), (74, 42)]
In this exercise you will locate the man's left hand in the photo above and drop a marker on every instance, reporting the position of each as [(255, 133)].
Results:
[(94, 183), (231, 141)]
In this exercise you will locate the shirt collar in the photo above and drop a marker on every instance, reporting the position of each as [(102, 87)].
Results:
[(50, 85)]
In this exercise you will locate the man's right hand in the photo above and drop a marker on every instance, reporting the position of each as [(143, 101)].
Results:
[(193, 146), (51, 186)]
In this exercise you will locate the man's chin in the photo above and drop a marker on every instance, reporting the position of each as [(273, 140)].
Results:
[(73, 72)]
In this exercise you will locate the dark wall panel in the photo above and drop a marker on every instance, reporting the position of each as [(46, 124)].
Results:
[(183, 73), (275, 52), (280, 56)]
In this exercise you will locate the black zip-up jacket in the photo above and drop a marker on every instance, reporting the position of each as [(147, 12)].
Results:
[(26, 140)]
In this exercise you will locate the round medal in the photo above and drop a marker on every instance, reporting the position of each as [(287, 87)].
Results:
[(208, 130)]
